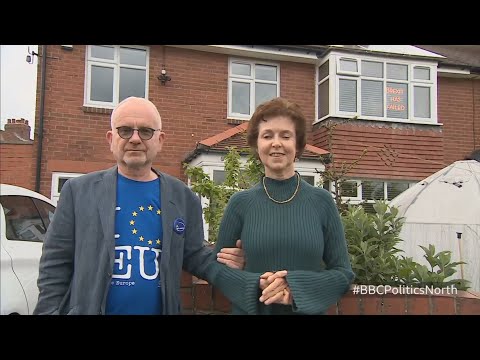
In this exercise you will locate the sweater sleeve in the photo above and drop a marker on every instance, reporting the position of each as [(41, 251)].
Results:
[(239, 286), (314, 292)]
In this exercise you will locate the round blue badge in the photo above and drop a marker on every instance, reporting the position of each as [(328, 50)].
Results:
[(179, 226)]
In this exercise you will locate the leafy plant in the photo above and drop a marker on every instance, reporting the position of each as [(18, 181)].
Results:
[(236, 179), (441, 269), (375, 259)]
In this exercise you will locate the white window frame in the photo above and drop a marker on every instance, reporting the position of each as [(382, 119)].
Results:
[(331, 87), (115, 65), (345, 72), (250, 80), (334, 94), (56, 176), (359, 198), (211, 162)]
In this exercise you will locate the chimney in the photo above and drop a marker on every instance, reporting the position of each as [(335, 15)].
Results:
[(19, 127)]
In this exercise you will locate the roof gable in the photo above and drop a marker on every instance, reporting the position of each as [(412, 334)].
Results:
[(236, 136)]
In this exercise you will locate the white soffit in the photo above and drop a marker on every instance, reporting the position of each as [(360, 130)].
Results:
[(398, 49), (257, 51)]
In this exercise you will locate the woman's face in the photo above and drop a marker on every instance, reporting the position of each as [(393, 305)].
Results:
[(276, 145)]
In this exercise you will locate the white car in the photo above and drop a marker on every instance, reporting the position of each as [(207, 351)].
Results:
[(24, 219)]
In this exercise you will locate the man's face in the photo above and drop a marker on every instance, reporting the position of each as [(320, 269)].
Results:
[(135, 153)]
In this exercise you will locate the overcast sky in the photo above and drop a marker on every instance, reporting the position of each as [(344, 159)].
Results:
[(18, 84)]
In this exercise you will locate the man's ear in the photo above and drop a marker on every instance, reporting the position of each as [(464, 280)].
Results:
[(161, 136), (161, 139), (109, 137)]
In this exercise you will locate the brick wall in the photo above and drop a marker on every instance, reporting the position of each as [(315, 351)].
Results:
[(200, 298), (400, 151), (193, 106), (459, 111), (17, 166)]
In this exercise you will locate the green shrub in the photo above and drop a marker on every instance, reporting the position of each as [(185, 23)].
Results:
[(375, 259)]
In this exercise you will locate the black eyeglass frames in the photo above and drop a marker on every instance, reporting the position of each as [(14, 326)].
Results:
[(145, 133)]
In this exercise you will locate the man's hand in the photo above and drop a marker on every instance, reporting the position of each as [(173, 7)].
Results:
[(232, 257), (275, 288)]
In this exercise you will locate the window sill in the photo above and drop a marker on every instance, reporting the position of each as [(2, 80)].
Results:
[(96, 110), (380, 121), (236, 121)]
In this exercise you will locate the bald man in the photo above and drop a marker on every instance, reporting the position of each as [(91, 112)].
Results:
[(120, 237)]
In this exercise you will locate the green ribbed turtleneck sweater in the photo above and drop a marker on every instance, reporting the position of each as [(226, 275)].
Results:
[(304, 236)]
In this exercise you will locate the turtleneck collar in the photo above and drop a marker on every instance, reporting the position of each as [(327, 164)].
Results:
[(282, 190)]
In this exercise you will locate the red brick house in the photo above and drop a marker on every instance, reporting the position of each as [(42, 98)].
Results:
[(417, 108), (417, 111)]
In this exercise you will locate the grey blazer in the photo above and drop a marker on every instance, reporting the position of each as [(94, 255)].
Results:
[(79, 248)]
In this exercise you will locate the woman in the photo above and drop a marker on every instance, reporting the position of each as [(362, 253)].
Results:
[(295, 248)]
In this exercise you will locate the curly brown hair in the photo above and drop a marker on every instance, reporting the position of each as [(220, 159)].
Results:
[(278, 107)]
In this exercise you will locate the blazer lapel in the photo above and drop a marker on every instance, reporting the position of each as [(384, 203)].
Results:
[(106, 194), (168, 213)]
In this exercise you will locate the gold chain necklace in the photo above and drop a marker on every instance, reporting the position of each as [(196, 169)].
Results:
[(284, 201)]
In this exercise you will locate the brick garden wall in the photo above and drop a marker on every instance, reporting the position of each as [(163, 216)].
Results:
[(200, 298)]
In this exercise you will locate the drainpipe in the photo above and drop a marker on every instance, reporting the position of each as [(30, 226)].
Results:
[(40, 119)]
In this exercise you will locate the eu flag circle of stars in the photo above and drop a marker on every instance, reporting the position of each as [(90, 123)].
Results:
[(135, 231)]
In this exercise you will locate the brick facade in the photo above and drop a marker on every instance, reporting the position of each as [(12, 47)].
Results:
[(397, 151), (459, 112), (193, 106), (401, 152), (17, 166)]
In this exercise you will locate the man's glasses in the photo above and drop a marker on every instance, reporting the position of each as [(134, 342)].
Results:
[(145, 133)]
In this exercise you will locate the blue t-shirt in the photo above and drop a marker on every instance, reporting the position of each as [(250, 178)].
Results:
[(135, 286)]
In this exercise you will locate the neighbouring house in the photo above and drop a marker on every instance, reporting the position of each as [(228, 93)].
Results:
[(416, 109)]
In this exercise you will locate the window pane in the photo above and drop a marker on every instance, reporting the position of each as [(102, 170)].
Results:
[(368, 207), (372, 98), (101, 84), (241, 98), (323, 71), (219, 176), (61, 182), (103, 52), (372, 190), (241, 69), (395, 188), (348, 65), (309, 179), (23, 222), (421, 101), (133, 56), (349, 189), (397, 71), (265, 72), (348, 95), (46, 211), (421, 73), (264, 92), (323, 102), (397, 100), (132, 83), (372, 69)]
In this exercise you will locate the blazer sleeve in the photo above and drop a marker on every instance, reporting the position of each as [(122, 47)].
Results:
[(56, 262)]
